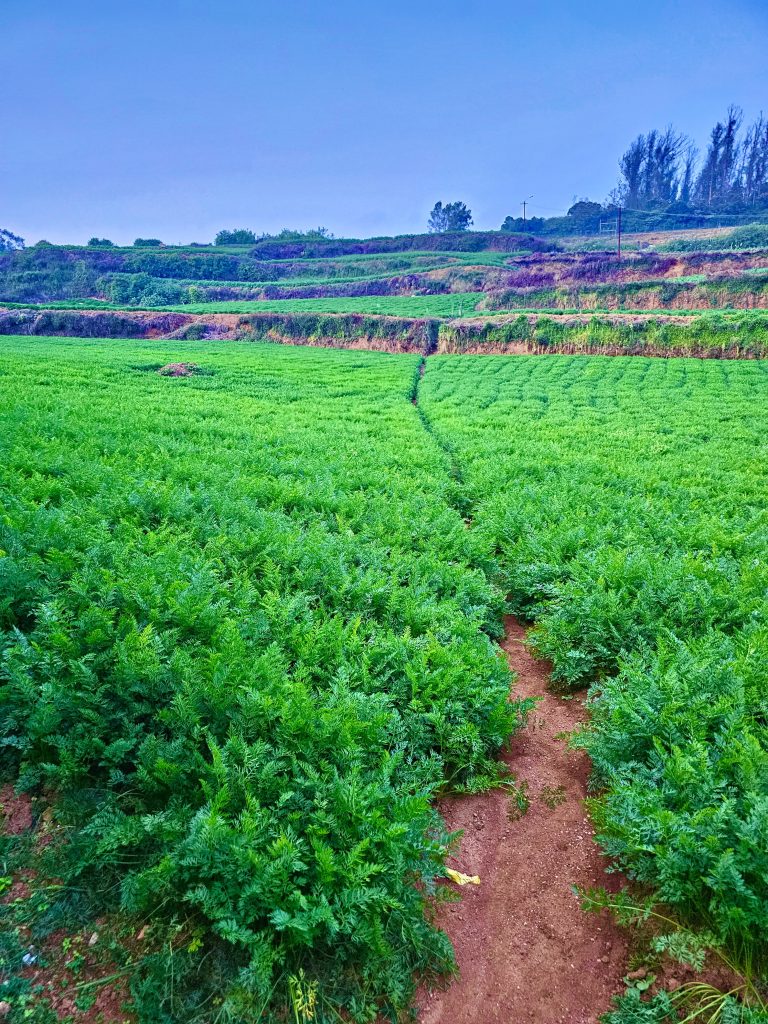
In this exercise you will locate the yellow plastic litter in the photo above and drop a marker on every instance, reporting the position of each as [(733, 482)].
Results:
[(461, 879)]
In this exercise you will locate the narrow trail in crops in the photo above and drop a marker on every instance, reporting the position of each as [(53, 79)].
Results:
[(526, 952)]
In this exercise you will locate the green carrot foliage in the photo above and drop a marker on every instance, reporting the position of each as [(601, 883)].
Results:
[(245, 641), (625, 500)]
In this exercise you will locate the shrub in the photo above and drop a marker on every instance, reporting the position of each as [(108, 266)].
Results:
[(239, 236)]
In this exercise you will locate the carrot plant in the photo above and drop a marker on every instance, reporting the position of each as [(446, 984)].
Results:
[(245, 640), (625, 500)]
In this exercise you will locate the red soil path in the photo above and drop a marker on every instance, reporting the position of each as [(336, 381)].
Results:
[(527, 953)]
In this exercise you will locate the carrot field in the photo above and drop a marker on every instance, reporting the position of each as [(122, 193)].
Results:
[(245, 642), (248, 635), (626, 502)]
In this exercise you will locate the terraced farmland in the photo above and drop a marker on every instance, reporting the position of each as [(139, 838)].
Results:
[(497, 291), (451, 305), (251, 600)]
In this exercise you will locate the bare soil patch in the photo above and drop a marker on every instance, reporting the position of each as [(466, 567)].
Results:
[(527, 953), (66, 967), (15, 811), (108, 1001)]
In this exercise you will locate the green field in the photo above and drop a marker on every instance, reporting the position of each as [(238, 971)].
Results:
[(247, 636), (627, 501), (244, 638), (459, 304)]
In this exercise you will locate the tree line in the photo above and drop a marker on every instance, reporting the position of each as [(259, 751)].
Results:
[(664, 169), (664, 181)]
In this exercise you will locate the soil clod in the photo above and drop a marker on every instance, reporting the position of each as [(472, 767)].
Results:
[(179, 370)]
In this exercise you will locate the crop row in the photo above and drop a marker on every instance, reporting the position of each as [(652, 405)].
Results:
[(244, 641), (626, 503)]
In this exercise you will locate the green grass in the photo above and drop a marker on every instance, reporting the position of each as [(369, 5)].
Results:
[(460, 304), (285, 306), (68, 304), (748, 236), (440, 257), (715, 333)]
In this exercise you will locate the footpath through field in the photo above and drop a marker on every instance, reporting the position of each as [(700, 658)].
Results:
[(527, 953)]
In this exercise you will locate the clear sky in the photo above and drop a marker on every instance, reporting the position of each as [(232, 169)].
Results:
[(174, 118)]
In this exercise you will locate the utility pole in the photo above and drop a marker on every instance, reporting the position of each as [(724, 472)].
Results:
[(525, 203), (618, 231)]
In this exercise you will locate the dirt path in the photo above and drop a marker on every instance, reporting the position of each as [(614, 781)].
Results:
[(526, 952)]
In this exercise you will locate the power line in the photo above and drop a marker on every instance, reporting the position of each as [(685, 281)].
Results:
[(548, 209), (694, 216), (656, 213)]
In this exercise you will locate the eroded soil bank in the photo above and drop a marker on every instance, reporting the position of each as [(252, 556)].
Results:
[(527, 953)]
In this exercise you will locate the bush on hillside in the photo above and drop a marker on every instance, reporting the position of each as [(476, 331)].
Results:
[(239, 236)]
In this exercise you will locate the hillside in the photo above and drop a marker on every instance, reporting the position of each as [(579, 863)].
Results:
[(681, 295)]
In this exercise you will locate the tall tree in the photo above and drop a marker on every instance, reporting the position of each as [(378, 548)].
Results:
[(665, 166), (451, 217), (717, 183), (685, 191), (650, 169), (10, 241), (753, 173), (631, 167), (707, 183)]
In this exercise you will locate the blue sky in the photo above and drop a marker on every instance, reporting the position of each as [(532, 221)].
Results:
[(175, 118)]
